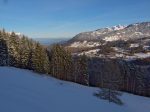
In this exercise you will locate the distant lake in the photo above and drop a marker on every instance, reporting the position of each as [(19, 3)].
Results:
[(49, 41)]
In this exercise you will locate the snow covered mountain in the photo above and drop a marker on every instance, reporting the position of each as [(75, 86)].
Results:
[(133, 31), (95, 35), (118, 41), (25, 91)]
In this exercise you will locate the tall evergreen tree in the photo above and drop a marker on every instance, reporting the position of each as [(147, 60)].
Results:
[(81, 70), (61, 62), (40, 59), (24, 52), (111, 80), (3, 51), (13, 48)]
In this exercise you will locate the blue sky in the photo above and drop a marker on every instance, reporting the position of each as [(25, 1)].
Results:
[(66, 18)]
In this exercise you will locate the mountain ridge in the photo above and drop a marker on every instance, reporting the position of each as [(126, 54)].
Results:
[(136, 30), (127, 42)]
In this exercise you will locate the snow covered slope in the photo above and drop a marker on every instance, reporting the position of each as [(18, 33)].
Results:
[(25, 91)]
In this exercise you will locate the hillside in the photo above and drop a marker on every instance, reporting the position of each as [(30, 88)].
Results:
[(128, 42), (25, 91)]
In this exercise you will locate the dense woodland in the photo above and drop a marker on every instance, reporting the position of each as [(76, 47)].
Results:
[(57, 61), (22, 52)]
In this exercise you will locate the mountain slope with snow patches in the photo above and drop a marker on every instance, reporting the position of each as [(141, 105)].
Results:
[(132, 31)]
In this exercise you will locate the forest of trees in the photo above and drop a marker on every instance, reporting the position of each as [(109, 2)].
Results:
[(22, 52), (131, 76), (57, 61)]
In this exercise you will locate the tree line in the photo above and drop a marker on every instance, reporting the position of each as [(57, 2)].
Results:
[(22, 52)]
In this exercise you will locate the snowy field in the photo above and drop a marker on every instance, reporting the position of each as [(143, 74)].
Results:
[(25, 91)]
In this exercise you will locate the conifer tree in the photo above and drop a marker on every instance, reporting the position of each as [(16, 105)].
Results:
[(23, 52), (111, 80), (3, 51), (40, 59), (61, 62), (13, 48), (81, 70)]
